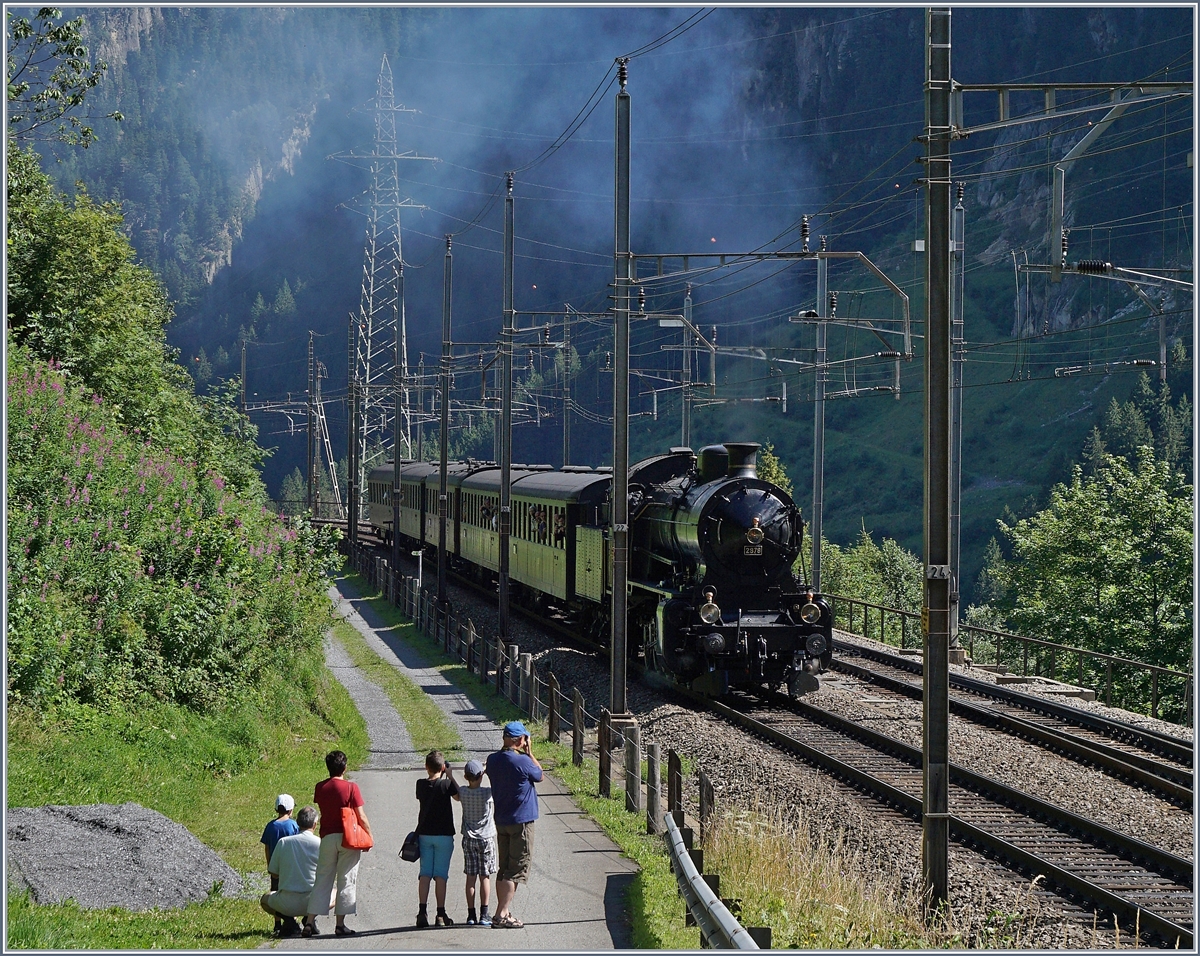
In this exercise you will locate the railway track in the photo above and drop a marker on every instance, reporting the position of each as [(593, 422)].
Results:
[(1141, 885), (1153, 761)]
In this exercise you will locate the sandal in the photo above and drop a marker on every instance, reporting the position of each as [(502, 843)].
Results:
[(507, 922)]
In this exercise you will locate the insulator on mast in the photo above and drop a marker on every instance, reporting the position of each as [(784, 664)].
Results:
[(804, 234)]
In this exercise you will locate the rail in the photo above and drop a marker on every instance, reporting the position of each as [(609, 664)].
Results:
[(902, 628), (718, 927)]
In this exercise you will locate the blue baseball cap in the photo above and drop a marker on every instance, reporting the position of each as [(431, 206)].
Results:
[(514, 728)]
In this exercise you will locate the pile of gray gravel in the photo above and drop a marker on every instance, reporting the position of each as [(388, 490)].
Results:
[(104, 855)]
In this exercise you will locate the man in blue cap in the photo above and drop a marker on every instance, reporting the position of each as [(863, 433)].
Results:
[(513, 770)]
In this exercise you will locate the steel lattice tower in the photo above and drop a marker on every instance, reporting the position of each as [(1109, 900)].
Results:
[(378, 347)]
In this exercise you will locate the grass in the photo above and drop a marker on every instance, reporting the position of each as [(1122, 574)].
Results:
[(215, 924), (216, 773), (426, 722), (805, 886)]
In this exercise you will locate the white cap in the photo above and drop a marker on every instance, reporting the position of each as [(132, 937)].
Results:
[(284, 801)]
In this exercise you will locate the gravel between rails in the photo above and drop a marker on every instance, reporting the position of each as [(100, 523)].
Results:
[(884, 844)]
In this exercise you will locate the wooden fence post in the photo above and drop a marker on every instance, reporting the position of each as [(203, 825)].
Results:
[(633, 769), (603, 737), (653, 789), (674, 782), (552, 719), (514, 674), (577, 728), (528, 692), (706, 805)]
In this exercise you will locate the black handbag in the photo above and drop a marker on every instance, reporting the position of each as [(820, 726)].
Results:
[(411, 850)]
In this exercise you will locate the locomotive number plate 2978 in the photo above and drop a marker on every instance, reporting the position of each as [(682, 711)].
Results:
[(752, 549)]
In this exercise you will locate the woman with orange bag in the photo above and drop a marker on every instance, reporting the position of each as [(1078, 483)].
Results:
[(336, 862)]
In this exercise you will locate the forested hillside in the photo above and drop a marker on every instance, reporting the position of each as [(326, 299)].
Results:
[(752, 120)]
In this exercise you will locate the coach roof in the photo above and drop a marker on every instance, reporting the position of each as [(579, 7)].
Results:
[(563, 486)]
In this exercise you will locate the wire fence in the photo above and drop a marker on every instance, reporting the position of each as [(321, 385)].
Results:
[(1162, 692), (512, 675)]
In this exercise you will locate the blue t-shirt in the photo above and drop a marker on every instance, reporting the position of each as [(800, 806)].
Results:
[(276, 830), (512, 776)]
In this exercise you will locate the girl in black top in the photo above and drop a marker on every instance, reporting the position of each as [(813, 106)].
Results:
[(435, 830)]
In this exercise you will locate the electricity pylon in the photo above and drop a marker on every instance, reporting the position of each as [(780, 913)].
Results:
[(378, 346)]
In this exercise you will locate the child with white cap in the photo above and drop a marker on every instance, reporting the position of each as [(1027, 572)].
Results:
[(283, 825), (480, 859)]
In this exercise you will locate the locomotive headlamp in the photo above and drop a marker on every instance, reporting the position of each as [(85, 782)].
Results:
[(810, 613), (754, 534), (709, 612)]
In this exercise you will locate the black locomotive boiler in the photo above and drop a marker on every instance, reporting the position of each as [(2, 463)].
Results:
[(713, 601)]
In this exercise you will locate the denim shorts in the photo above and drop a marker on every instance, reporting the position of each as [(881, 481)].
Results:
[(435, 856)]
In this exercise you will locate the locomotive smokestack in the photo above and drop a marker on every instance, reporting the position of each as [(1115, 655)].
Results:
[(743, 459)]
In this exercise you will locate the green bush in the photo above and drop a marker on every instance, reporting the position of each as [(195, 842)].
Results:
[(132, 572)]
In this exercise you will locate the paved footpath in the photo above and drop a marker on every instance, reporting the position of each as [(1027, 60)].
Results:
[(575, 897)]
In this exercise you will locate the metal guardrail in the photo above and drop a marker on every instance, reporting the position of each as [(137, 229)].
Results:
[(515, 678), (890, 624), (718, 927)]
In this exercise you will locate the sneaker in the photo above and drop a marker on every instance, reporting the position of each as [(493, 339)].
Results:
[(471, 921), (422, 921), (485, 920)]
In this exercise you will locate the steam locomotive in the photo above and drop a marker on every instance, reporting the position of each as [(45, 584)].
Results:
[(713, 602)]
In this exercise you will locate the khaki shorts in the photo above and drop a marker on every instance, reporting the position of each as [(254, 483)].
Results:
[(514, 841), (285, 903)]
